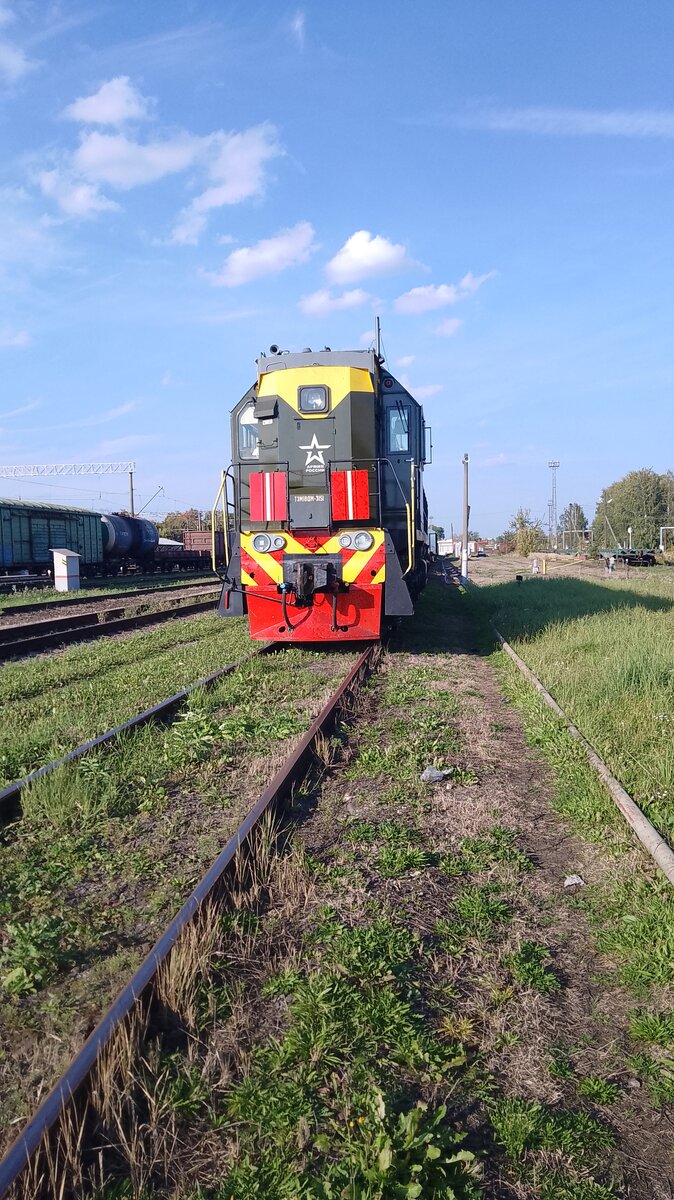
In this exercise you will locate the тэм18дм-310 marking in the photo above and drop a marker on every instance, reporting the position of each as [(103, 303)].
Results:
[(326, 511)]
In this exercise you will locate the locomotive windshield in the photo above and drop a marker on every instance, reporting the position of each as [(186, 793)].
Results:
[(248, 447), (313, 399)]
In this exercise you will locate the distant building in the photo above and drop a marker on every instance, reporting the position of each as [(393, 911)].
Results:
[(452, 546)]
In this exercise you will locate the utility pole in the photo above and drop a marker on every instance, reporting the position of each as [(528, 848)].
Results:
[(131, 508), (553, 467), (466, 512)]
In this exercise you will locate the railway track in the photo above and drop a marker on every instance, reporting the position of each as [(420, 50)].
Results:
[(17, 641), (370, 965), (29, 1168), (10, 794), (69, 602)]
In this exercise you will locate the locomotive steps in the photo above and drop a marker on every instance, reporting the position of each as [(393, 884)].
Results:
[(403, 968)]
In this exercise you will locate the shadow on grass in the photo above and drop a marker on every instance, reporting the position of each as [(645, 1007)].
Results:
[(522, 610)]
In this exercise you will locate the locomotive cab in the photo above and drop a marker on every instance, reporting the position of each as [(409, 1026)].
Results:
[(328, 524)]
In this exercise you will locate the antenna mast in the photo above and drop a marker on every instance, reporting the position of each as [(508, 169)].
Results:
[(377, 340)]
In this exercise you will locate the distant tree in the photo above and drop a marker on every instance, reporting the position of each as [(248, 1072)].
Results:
[(175, 523), (528, 531), (642, 500), (573, 517), (439, 529), (473, 535)]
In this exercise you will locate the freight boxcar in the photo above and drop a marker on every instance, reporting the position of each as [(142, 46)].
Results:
[(29, 530)]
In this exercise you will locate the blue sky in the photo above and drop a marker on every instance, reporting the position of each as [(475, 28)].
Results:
[(182, 184)]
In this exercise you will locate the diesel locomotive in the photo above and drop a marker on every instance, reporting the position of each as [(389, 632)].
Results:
[(327, 520)]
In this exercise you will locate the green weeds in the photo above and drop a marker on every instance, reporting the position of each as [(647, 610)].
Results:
[(475, 855), (598, 1090), (522, 1126), (530, 966)]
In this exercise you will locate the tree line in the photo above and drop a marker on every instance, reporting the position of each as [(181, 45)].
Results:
[(642, 501)]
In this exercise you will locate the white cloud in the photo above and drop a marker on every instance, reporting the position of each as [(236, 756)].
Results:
[(124, 445), (322, 302), (233, 165), (365, 254), (115, 102), (573, 122), (19, 412), (298, 27), (425, 392), (74, 197), (432, 296), (406, 360), (13, 63), (495, 460), (267, 257), (14, 339), (236, 169), (115, 159), (449, 327)]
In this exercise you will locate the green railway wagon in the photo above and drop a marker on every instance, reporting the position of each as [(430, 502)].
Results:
[(29, 530)]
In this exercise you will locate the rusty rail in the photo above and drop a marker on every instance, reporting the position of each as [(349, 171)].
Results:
[(139, 987), (19, 640), (102, 597)]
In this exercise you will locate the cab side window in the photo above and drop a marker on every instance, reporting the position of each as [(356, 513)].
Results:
[(399, 430), (248, 447)]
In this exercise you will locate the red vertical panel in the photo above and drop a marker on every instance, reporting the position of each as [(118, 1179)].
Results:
[(268, 496), (360, 495), (257, 506), (339, 508), (279, 501)]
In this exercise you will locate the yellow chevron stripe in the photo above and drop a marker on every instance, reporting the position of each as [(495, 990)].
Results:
[(246, 579), (361, 558), (380, 576)]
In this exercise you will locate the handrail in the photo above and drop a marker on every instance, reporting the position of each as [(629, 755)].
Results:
[(411, 522), (214, 517)]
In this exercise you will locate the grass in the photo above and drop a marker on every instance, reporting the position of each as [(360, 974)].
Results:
[(109, 846), (604, 651), (54, 703), (342, 1029), (530, 966)]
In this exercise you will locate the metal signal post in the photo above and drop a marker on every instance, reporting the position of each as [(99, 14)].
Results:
[(466, 512)]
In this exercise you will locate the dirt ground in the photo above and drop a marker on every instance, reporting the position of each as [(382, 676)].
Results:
[(501, 568), (516, 1034)]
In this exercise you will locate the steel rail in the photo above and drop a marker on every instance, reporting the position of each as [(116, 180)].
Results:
[(11, 793), (102, 597), (66, 621), (139, 986), (88, 628)]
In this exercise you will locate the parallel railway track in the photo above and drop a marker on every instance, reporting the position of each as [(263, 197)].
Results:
[(102, 597), (67, 1104), (10, 794), (17, 641)]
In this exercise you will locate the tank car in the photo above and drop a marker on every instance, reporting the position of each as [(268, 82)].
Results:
[(328, 520)]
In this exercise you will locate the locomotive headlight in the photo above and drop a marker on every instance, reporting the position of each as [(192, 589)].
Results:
[(262, 543), (278, 542), (363, 540), (345, 541)]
